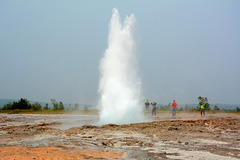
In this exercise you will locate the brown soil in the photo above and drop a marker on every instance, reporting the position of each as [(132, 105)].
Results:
[(50, 153), (187, 136)]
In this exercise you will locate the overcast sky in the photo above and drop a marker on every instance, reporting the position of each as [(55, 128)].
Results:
[(186, 49)]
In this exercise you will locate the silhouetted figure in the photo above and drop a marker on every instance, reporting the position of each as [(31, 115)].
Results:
[(154, 108), (147, 106)]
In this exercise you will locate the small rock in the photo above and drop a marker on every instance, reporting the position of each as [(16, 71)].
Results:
[(88, 126), (186, 143), (172, 128), (112, 125), (104, 143)]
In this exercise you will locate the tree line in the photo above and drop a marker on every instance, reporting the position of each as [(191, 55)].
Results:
[(24, 104)]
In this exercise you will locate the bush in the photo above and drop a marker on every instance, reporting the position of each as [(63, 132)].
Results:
[(55, 104), (61, 106), (36, 106), (216, 108), (238, 109), (21, 104), (46, 107)]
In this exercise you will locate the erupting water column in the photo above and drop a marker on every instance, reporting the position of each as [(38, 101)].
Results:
[(120, 85)]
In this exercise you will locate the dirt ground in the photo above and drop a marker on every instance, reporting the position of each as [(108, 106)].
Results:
[(186, 136)]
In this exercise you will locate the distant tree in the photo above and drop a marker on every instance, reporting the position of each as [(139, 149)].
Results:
[(46, 106), (36, 106), (85, 107), (55, 104), (194, 108), (15, 105), (186, 108), (205, 101), (238, 109), (216, 108), (165, 107), (76, 107), (180, 109), (21, 104), (8, 106), (61, 106), (169, 106)]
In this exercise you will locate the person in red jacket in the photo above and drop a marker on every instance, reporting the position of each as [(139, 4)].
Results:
[(174, 109)]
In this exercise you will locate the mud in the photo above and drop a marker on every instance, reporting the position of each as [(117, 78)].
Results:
[(187, 136)]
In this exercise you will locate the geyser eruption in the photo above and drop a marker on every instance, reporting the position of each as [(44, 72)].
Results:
[(120, 85)]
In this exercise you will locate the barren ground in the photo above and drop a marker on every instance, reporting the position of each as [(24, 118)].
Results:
[(187, 136)]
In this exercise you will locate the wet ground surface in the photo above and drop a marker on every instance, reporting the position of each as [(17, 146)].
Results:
[(187, 136)]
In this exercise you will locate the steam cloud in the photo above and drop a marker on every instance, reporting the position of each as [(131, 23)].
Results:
[(120, 85)]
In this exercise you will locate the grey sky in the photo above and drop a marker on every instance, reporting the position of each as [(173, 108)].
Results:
[(52, 49)]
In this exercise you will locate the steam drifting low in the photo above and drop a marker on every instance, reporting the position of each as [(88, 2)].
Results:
[(120, 85)]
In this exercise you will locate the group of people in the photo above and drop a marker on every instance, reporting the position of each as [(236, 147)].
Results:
[(154, 108), (174, 108)]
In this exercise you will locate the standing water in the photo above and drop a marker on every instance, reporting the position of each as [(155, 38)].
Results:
[(120, 85)]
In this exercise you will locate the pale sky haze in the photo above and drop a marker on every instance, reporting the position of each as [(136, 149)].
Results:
[(52, 49)]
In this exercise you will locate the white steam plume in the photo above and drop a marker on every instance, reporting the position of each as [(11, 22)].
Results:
[(120, 85)]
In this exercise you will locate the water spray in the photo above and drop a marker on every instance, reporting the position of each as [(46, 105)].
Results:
[(120, 85)]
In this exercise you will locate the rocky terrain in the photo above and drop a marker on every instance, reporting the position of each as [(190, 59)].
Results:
[(187, 136)]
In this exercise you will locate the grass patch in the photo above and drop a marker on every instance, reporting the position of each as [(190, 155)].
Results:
[(194, 111), (80, 112), (91, 111)]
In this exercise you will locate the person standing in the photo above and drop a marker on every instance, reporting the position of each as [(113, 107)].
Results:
[(147, 106), (202, 108), (174, 109), (154, 108)]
